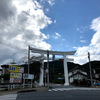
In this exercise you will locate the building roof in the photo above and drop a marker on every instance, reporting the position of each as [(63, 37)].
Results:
[(77, 68), (5, 66), (78, 73)]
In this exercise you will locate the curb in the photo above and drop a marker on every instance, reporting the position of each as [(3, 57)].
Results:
[(23, 91)]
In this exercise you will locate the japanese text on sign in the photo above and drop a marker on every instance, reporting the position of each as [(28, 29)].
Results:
[(13, 68), (15, 75)]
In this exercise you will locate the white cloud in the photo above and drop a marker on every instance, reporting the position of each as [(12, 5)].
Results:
[(75, 47), (54, 21), (96, 27), (81, 37), (20, 25), (94, 46), (82, 29), (56, 36), (62, 0), (77, 29), (83, 41), (51, 2), (47, 9), (63, 39)]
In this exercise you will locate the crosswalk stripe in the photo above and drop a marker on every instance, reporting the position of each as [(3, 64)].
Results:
[(8, 97)]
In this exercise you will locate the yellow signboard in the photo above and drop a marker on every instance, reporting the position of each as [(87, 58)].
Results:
[(13, 68), (16, 69), (15, 75)]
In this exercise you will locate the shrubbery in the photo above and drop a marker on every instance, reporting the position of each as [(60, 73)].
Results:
[(83, 82), (5, 77)]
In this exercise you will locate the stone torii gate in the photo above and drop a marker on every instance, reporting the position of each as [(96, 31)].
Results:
[(47, 52)]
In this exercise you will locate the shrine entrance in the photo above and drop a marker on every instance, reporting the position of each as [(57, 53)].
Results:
[(48, 53)]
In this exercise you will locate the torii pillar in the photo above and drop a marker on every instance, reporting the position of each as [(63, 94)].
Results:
[(66, 71), (41, 72)]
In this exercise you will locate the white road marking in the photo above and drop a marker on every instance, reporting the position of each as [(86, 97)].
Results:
[(8, 97)]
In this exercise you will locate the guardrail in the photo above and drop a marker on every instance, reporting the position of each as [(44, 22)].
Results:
[(13, 86), (6, 87)]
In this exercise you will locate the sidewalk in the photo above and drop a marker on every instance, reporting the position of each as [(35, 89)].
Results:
[(5, 92)]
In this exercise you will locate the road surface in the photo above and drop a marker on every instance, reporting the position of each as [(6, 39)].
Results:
[(62, 94)]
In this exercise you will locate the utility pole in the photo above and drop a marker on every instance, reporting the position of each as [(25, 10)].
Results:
[(28, 59), (48, 68), (90, 69)]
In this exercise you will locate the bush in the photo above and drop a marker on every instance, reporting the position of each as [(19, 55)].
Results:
[(5, 77), (83, 82)]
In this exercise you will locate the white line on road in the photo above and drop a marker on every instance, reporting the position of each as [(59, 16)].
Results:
[(8, 97)]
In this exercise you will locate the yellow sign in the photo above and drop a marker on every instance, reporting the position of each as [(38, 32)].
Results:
[(13, 68), (15, 75)]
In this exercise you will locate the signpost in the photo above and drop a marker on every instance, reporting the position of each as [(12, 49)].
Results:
[(28, 76), (15, 74)]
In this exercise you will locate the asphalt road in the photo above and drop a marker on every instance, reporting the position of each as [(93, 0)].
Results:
[(61, 95)]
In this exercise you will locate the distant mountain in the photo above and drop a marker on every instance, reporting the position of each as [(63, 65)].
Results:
[(56, 69), (58, 65), (72, 65), (94, 64)]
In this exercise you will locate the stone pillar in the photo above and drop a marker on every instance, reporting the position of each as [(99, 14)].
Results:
[(41, 72), (66, 71)]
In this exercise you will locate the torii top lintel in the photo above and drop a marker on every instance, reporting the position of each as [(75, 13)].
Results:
[(35, 50)]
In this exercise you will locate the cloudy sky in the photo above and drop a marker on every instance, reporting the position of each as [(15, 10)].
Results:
[(61, 25)]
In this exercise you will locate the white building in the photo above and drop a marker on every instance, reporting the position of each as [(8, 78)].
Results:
[(77, 73), (0, 70)]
